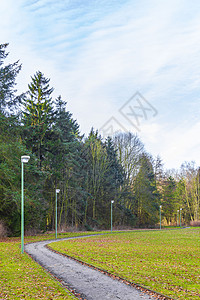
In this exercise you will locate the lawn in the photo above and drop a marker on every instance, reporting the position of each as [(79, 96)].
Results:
[(22, 278), (166, 261)]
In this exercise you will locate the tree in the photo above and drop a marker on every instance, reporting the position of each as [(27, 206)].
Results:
[(169, 206), (146, 195), (8, 73), (190, 177), (97, 167), (11, 150), (37, 115), (63, 147), (129, 148), (111, 185)]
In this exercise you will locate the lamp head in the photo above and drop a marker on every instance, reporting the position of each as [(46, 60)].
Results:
[(25, 158), (160, 206), (57, 191)]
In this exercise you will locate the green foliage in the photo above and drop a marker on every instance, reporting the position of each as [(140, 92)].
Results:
[(11, 149), (10, 179), (168, 203), (146, 197), (38, 115), (8, 73)]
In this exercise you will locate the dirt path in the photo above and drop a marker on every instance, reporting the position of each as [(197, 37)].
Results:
[(90, 283)]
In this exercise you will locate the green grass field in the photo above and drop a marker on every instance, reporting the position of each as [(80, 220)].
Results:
[(166, 261), (22, 278)]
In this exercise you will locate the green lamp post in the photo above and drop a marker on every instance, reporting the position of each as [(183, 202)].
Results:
[(160, 216), (177, 216), (24, 160), (112, 201), (56, 216), (180, 216)]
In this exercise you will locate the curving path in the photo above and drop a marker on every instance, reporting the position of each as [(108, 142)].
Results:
[(90, 283)]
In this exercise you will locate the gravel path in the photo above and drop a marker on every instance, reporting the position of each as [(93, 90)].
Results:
[(90, 283)]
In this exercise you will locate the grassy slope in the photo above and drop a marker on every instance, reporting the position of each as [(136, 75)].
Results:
[(22, 278), (166, 261)]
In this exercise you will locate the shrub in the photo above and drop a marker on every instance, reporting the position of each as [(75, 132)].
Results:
[(88, 227), (3, 229), (195, 223)]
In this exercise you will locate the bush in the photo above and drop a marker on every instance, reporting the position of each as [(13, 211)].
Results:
[(195, 223), (3, 230), (88, 227)]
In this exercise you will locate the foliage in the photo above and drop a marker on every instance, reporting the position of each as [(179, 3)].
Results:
[(37, 115), (8, 73), (146, 198), (168, 201)]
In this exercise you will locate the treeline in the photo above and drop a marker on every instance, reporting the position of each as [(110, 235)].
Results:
[(89, 171)]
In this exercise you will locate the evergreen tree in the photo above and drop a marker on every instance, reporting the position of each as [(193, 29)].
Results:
[(63, 158), (168, 200), (146, 196), (8, 73), (115, 170), (11, 150), (113, 181), (97, 168), (37, 115)]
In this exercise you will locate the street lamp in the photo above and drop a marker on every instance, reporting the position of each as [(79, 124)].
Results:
[(160, 216), (24, 160), (112, 201), (56, 216), (180, 216), (177, 216)]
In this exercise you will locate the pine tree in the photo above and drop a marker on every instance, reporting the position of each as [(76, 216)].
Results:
[(37, 115), (169, 206), (145, 191), (63, 145), (8, 73)]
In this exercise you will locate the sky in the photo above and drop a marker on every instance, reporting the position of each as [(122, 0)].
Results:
[(121, 65)]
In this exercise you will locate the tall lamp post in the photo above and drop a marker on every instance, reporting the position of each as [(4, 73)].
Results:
[(112, 201), (24, 160), (56, 216), (177, 216), (160, 216), (180, 216)]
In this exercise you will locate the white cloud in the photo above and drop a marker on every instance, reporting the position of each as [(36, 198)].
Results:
[(98, 56), (181, 145)]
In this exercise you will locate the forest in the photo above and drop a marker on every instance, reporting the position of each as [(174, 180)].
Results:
[(90, 171)]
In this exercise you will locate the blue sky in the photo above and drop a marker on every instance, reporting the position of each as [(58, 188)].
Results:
[(100, 53)]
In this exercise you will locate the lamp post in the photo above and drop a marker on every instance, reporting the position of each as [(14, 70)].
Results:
[(56, 216), (24, 160), (160, 216), (112, 201), (177, 216), (180, 216)]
